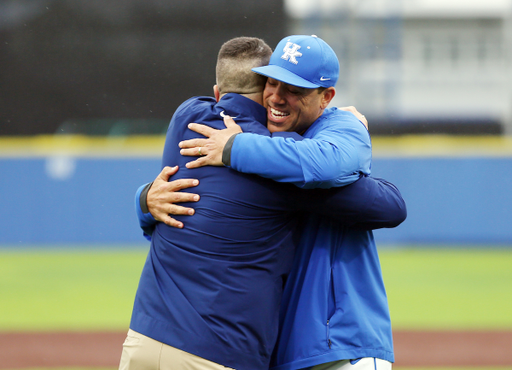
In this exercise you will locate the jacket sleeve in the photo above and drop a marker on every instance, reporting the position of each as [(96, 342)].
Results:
[(369, 203), (146, 221), (335, 155)]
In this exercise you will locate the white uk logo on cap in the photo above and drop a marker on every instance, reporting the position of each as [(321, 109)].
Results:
[(291, 52)]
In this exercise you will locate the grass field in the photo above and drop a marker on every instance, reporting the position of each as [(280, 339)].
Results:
[(449, 288), (93, 289), (68, 289)]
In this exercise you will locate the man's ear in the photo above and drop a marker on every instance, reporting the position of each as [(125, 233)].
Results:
[(327, 96), (216, 92)]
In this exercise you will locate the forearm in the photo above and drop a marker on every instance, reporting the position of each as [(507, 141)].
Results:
[(388, 208), (310, 163), (369, 203)]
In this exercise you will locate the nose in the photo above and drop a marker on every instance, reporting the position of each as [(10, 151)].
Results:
[(277, 94)]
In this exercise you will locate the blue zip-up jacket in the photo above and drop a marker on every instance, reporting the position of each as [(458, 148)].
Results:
[(334, 304), (213, 288)]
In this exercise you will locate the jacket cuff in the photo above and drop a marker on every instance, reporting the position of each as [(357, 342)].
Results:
[(143, 199), (226, 153)]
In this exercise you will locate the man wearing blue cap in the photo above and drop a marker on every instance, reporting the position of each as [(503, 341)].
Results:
[(334, 311), (302, 73)]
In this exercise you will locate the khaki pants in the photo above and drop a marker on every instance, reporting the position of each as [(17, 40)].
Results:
[(367, 363), (143, 353)]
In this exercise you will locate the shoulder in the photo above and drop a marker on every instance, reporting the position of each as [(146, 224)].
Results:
[(193, 109), (194, 104), (334, 115), (336, 121)]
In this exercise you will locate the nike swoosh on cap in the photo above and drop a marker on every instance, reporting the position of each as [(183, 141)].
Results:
[(324, 79)]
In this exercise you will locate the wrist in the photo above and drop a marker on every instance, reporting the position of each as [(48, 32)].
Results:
[(226, 152), (143, 199)]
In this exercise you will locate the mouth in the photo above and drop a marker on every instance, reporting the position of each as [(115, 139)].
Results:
[(277, 115)]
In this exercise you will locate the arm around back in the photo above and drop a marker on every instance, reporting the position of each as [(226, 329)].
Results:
[(369, 203), (333, 152), (388, 207)]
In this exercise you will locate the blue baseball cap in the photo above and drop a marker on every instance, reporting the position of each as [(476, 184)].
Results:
[(304, 61)]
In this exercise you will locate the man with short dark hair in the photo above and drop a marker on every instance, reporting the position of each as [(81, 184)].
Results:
[(334, 313), (209, 293)]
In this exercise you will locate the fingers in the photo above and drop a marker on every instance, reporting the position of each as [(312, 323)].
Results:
[(201, 129), (194, 152), (173, 209), (166, 208), (200, 162), (352, 110), (229, 122), (364, 121), (164, 211), (182, 184), (168, 220), (167, 172), (349, 109), (358, 115), (162, 196), (192, 143), (210, 148), (170, 198), (209, 155)]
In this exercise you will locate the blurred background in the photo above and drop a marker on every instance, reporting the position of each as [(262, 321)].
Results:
[(428, 66), (87, 89)]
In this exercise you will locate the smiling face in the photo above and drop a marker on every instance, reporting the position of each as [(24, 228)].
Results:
[(292, 108)]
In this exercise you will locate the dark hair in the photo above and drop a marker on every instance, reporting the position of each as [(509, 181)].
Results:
[(234, 62), (245, 47)]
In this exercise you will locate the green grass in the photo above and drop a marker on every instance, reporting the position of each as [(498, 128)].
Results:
[(68, 289), (94, 289), (449, 288)]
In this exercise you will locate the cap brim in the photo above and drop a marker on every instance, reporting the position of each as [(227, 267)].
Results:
[(284, 75)]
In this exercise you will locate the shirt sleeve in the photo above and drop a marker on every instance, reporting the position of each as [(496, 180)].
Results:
[(146, 221), (336, 154), (369, 203)]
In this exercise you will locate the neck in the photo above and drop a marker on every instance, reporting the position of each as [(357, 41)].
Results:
[(254, 96)]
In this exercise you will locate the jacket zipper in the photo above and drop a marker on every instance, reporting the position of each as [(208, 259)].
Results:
[(329, 343)]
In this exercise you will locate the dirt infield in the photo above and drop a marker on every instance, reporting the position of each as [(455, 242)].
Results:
[(21, 350)]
